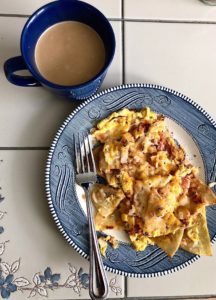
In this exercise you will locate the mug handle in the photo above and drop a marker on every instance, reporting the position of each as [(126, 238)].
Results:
[(16, 64)]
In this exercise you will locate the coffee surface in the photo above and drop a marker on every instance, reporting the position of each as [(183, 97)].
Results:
[(69, 53)]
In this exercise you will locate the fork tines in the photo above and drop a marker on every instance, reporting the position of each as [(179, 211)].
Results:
[(84, 159)]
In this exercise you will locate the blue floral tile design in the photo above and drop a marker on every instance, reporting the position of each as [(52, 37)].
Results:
[(7, 286), (41, 284)]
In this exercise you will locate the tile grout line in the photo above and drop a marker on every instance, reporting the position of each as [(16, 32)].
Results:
[(130, 19), (123, 82), (150, 298), (126, 289), (169, 21), (23, 148), (13, 15), (123, 41), (207, 297), (5, 15)]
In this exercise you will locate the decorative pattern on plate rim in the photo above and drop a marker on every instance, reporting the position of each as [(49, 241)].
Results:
[(48, 166)]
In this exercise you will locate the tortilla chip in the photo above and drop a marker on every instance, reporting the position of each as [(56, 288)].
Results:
[(110, 222), (140, 198), (170, 243), (201, 192), (196, 238), (187, 214), (106, 199), (160, 205)]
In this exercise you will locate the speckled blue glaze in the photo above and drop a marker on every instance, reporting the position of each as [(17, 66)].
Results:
[(61, 194), (43, 18)]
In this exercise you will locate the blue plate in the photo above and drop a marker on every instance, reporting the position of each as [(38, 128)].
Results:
[(62, 197)]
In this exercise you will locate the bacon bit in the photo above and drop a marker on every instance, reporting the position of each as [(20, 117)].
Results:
[(195, 197), (162, 142), (135, 229), (115, 171), (102, 136), (158, 211), (124, 142), (109, 227), (152, 214), (169, 149), (152, 163), (160, 146), (160, 190), (159, 208), (163, 145), (197, 200), (132, 128), (186, 182), (160, 118), (172, 172), (185, 222), (191, 191), (146, 127), (127, 202)]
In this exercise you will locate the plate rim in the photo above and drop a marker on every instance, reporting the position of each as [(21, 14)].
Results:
[(49, 160)]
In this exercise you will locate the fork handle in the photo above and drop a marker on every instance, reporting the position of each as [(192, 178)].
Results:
[(98, 284)]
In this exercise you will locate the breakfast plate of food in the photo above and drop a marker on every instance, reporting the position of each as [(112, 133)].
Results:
[(156, 163)]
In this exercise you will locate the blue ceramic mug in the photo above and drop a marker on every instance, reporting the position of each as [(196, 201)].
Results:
[(43, 18)]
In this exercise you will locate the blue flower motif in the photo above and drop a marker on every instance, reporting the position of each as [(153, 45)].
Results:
[(84, 278), (7, 286), (48, 276)]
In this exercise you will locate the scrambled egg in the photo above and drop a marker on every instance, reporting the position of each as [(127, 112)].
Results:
[(151, 188), (103, 242)]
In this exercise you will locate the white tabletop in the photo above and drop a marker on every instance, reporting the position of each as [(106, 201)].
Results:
[(170, 43)]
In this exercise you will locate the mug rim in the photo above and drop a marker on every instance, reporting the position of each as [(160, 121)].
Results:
[(42, 79)]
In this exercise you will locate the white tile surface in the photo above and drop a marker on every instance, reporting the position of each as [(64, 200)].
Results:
[(32, 236), (111, 8), (30, 116), (190, 10), (197, 279), (179, 56)]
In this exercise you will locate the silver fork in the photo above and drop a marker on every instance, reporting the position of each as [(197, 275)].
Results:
[(85, 176)]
